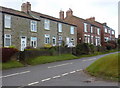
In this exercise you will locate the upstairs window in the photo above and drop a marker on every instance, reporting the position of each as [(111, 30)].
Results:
[(34, 42), (47, 24), (59, 27), (98, 31), (33, 26), (72, 30), (85, 27), (7, 21), (113, 32), (91, 29), (7, 40), (47, 39), (105, 30)]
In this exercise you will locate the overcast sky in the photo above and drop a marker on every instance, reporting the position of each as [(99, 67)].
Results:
[(102, 10)]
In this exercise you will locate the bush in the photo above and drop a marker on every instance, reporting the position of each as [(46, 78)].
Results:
[(92, 48), (7, 53), (82, 48), (100, 48)]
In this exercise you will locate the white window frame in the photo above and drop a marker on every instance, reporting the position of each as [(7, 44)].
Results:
[(98, 31), (92, 40), (106, 30), (85, 27), (47, 24), (54, 44), (91, 29), (47, 39), (7, 22), (33, 25), (113, 32), (33, 40), (85, 38), (5, 37), (59, 27), (72, 30)]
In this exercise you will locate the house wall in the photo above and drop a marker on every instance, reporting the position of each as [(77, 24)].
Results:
[(1, 27)]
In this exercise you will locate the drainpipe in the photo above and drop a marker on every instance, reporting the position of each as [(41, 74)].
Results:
[(2, 29)]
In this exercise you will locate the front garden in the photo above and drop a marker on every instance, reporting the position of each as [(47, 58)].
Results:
[(11, 57)]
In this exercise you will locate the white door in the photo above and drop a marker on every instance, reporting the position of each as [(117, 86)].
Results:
[(67, 41), (23, 43)]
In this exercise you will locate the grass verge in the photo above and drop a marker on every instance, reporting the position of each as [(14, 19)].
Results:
[(106, 67), (10, 64), (48, 59)]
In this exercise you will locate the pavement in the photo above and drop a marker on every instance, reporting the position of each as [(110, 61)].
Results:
[(63, 73)]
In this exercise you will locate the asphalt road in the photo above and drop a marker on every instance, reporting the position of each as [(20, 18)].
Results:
[(63, 73)]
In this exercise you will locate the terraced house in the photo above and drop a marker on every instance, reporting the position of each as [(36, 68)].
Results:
[(29, 28), (89, 30)]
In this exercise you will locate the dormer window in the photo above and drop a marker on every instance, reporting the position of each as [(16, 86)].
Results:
[(33, 26), (7, 21)]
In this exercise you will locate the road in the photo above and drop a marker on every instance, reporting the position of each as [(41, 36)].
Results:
[(63, 73)]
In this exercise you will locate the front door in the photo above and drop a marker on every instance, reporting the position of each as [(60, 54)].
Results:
[(23, 43)]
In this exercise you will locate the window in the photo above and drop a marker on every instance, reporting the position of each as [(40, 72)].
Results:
[(47, 24), (98, 31), (85, 38), (34, 42), (88, 38), (34, 26), (7, 21), (7, 40), (113, 32), (72, 30), (105, 30), (60, 38), (109, 31), (91, 29), (106, 39), (47, 38), (91, 39), (85, 27), (98, 40), (59, 27), (54, 41)]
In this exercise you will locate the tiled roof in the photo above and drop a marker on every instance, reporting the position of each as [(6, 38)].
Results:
[(51, 18), (14, 12)]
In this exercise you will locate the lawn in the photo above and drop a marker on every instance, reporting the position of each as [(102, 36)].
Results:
[(10, 64), (48, 59), (106, 67)]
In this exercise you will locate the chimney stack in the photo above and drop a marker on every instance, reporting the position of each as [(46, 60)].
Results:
[(91, 19), (61, 15), (26, 7), (69, 13)]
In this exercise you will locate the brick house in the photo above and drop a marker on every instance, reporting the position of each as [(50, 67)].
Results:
[(29, 28), (89, 30)]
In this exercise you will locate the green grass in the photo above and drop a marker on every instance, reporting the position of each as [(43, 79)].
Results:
[(48, 59), (106, 67), (10, 64)]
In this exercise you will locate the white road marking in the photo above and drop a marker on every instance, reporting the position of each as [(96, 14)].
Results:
[(79, 70), (89, 59), (14, 74), (33, 83), (65, 74), (56, 76), (59, 65), (73, 72), (45, 79)]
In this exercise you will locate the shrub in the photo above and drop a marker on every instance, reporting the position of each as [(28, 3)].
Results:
[(82, 48), (100, 48), (92, 48), (7, 53)]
